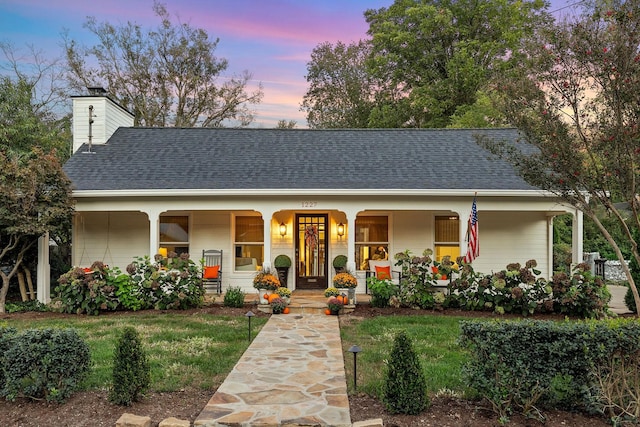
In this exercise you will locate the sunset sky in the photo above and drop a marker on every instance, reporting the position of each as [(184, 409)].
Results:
[(272, 39)]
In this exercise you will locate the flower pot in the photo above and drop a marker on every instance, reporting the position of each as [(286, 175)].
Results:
[(261, 295), (283, 272)]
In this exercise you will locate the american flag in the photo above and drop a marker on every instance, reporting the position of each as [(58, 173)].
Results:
[(473, 245)]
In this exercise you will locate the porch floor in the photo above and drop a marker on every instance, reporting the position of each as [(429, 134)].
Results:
[(292, 374)]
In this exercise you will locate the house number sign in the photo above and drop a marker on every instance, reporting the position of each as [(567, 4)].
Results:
[(309, 204)]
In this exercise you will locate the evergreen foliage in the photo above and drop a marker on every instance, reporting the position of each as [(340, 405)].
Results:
[(131, 370), (234, 297), (405, 386)]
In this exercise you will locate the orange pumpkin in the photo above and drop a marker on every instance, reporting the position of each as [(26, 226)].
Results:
[(343, 299), (272, 297), (286, 310), (327, 312)]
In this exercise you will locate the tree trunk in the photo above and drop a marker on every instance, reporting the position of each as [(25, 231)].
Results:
[(23, 288), (32, 293), (3, 291)]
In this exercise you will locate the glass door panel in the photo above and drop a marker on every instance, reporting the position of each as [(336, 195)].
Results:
[(311, 251)]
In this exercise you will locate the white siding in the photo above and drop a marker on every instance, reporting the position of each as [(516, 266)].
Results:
[(411, 230), (507, 237), (107, 118), (114, 238)]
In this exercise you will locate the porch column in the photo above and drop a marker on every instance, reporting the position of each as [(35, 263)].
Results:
[(154, 231), (550, 220), (351, 239), (267, 218), (577, 237), (43, 271)]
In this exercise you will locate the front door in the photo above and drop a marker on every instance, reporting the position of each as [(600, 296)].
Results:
[(311, 251)]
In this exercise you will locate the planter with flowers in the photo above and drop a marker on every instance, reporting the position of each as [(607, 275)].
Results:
[(334, 305), (265, 282), (346, 281), (331, 292), (278, 306), (284, 293)]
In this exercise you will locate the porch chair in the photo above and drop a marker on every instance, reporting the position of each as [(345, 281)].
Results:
[(381, 269), (212, 270)]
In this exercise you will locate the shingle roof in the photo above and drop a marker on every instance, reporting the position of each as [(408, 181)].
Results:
[(204, 158)]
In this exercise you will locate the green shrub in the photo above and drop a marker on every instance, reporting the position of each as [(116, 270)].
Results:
[(24, 306), (46, 363), (405, 387), (529, 365), (580, 294), (234, 297), (131, 370), (173, 283), (88, 291), (629, 301), (513, 290), (6, 334), (381, 291)]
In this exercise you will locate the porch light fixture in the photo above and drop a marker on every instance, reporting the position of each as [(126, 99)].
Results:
[(283, 229), (340, 229)]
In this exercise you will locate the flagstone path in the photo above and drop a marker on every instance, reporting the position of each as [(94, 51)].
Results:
[(292, 374)]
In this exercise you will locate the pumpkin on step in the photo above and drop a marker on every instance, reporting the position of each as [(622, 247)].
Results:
[(272, 297), (327, 312), (343, 299), (286, 310)]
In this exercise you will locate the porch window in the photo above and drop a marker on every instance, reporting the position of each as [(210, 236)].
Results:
[(174, 233), (447, 235), (372, 240), (248, 243)]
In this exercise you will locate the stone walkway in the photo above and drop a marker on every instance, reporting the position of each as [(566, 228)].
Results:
[(291, 374)]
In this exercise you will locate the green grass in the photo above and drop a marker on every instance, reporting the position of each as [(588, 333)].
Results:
[(183, 350), (435, 340)]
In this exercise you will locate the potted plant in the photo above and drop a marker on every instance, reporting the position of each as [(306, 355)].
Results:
[(346, 281), (334, 305), (331, 292), (278, 305), (284, 293), (340, 263), (265, 281), (282, 263)]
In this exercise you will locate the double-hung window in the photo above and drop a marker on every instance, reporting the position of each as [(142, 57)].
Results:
[(372, 240), (447, 237), (174, 233), (248, 243)]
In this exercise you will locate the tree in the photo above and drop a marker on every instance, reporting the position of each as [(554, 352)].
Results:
[(435, 56), (32, 103), (35, 198), (166, 77), (283, 124), (574, 92), (341, 90)]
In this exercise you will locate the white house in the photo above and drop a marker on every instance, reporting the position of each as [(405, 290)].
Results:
[(309, 194)]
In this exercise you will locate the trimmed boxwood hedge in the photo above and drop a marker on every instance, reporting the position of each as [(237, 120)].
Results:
[(527, 365)]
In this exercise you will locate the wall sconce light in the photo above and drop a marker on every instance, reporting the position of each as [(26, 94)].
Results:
[(283, 229), (341, 229), (163, 252)]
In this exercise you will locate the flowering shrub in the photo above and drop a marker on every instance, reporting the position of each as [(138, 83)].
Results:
[(175, 283), (514, 290), (266, 280), (417, 280), (345, 280), (90, 290), (581, 294)]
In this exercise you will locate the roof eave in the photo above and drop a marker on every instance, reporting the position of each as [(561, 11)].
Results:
[(306, 192)]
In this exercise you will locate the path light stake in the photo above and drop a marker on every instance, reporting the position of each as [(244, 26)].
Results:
[(250, 315), (355, 350)]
